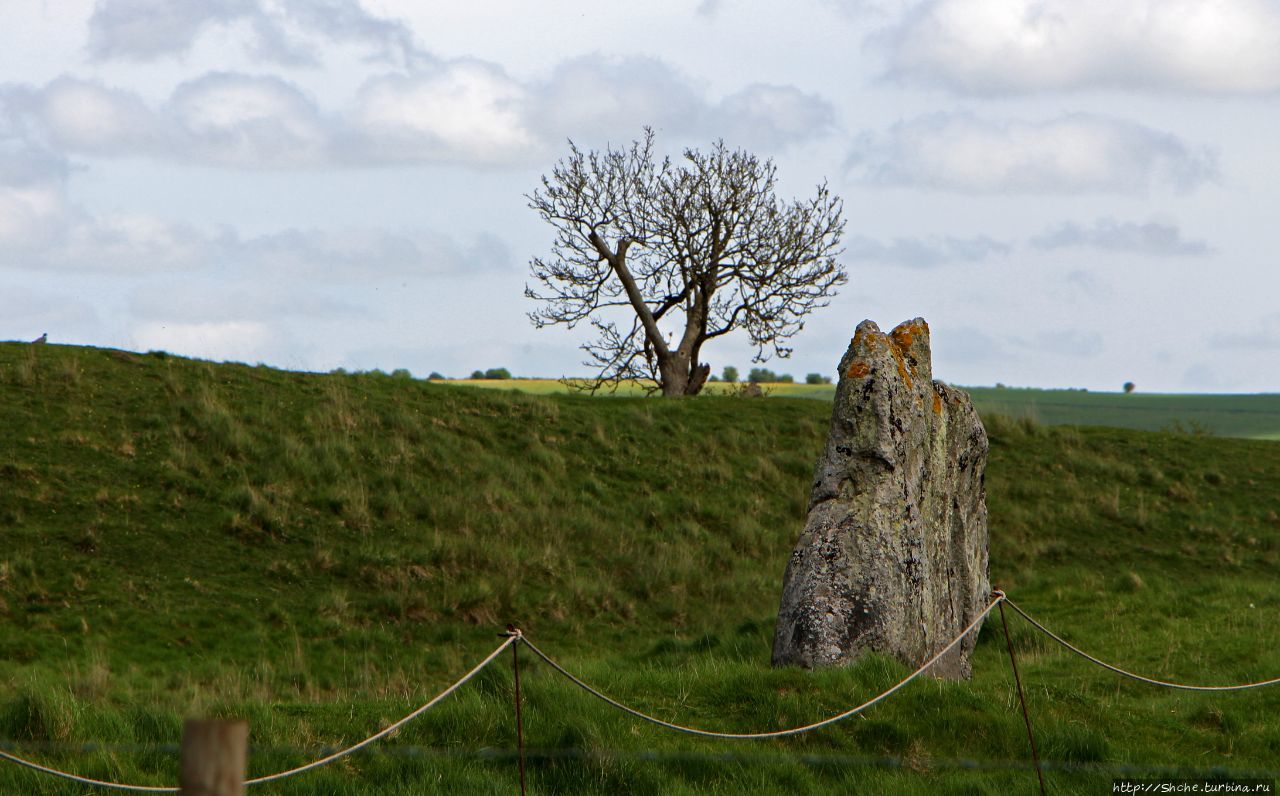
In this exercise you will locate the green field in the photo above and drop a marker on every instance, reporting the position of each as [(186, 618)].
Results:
[(322, 553), (1246, 416)]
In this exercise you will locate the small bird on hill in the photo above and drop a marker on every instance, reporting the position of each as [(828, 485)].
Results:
[(44, 338)]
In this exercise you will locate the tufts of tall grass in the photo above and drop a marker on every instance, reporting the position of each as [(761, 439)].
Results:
[(321, 553)]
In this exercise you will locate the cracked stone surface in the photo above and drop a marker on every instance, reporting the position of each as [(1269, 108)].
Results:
[(893, 556)]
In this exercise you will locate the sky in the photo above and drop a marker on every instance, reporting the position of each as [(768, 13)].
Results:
[(1073, 193)]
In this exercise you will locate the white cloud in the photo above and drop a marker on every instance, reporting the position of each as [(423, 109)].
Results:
[(1084, 285), (925, 252), (1077, 153), (288, 32), (144, 30), (347, 21), (89, 118), (769, 117), (466, 110), (230, 119), (242, 120), (999, 46), (596, 97), (33, 202), (1151, 238), (30, 217), (124, 243), (463, 111)]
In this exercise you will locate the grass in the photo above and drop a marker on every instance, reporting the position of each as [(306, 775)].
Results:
[(1246, 416), (322, 553)]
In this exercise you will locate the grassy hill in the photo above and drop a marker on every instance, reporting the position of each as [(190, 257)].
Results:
[(321, 553), (1247, 416)]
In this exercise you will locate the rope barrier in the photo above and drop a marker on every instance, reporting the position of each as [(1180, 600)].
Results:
[(290, 772), (777, 733), (1131, 675), (515, 637), (392, 728), (86, 780)]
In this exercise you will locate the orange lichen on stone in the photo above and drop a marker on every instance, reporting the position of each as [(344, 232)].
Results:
[(904, 335), (937, 403), (903, 371), (870, 342), (858, 370)]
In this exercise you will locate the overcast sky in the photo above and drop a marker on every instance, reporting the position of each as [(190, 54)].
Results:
[(1074, 193)]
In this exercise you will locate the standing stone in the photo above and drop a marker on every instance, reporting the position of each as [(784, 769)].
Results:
[(893, 557)]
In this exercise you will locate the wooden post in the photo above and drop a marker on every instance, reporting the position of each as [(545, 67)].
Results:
[(515, 668), (1026, 717), (214, 757)]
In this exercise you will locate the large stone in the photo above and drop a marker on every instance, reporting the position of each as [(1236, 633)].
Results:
[(893, 557)]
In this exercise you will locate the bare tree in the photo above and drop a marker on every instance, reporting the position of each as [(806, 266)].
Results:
[(660, 258)]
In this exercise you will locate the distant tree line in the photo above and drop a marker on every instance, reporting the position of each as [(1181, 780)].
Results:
[(492, 374), (766, 376), (729, 374)]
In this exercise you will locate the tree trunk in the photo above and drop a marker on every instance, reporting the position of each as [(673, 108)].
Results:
[(681, 378), (675, 374), (697, 378)]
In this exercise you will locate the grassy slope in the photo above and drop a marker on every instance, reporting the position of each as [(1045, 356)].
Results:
[(321, 552), (1255, 416), (1247, 416)]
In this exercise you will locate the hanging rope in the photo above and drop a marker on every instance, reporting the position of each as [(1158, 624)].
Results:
[(1131, 675), (392, 728), (282, 774), (777, 733)]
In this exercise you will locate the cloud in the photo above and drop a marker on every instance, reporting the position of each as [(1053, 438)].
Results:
[(925, 252), (1086, 285), (1264, 336), (463, 111), (466, 110), (1018, 46), (241, 120), (346, 21), (144, 30), (89, 118), (33, 201), (877, 11), (128, 243), (288, 32), (42, 229), (1077, 153), (1152, 238), (770, 117), (596, 96)]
